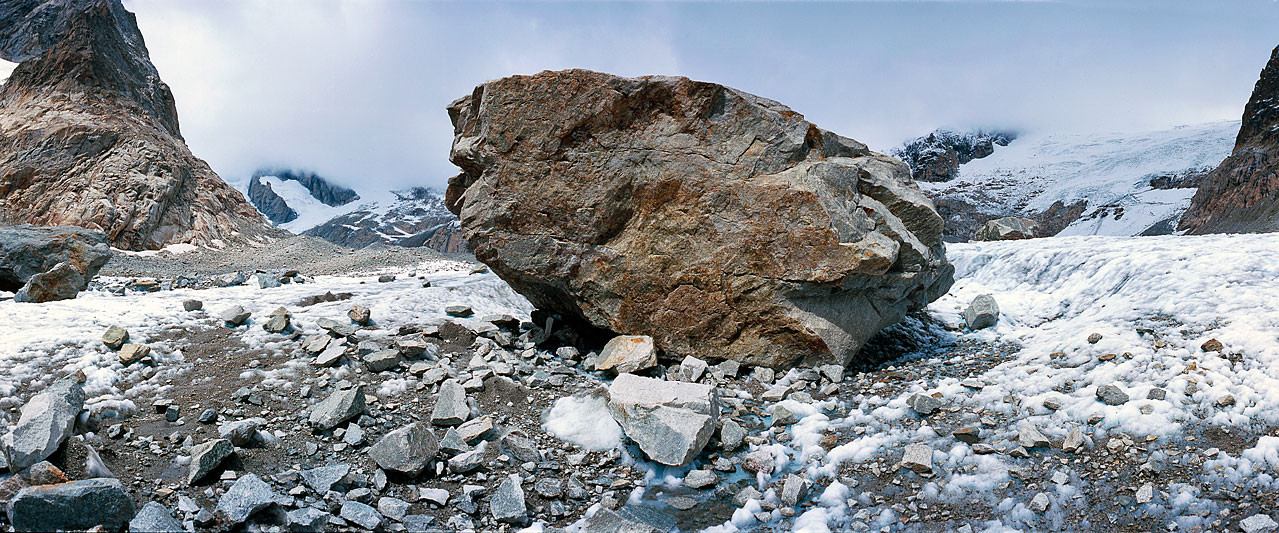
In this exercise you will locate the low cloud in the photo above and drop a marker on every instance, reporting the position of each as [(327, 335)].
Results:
[(356, 90)]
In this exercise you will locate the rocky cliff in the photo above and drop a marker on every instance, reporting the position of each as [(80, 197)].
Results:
[(722, 224), (1242, 194), (89, 134)]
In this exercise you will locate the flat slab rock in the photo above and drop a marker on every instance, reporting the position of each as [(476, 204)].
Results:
[(671, 421), (721, 224), (96, 502)]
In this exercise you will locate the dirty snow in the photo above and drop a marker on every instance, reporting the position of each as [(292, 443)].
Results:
[(41, 341)]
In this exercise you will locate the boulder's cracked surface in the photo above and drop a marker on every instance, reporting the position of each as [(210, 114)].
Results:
[(722, 224), (89, 134)]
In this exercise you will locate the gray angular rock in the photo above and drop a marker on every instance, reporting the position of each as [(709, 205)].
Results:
[(507, 502), (267, 281), (393, 508), (242, 433), (1007, 229), (316, 343), (235, 315), (339, 407), (700, 479), (1258, 523), (75, 505), (330, 356), (794, 489), (743, 225), (1030, 437), (1074, 441), (924, 404), (468, 461), (670, 421), (192, 305), (359, 314), (473, 430), (115, 337), (322, 479), (759, 461), (132, 353), (382, 360), (247, 495), (154, 518), (983, 312), (61, 282), (1111, 395), (1040, 503), (361, 515), (460, 311), (627, 353), (630, 519), (731, 435), (406, 450), (27, 251), (419, 522), (549, 487), (452, 443), (206, 457), (450, 405), (334, 327), (522, 448), (278, 322), (436, 496), (308, 520), (918, 458), (47, 420), (691, 369)]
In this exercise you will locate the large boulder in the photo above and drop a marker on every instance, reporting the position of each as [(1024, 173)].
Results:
[(47, 420), (73, 506), (721, 224), (1007, 229), (671, 421), (1242, 194), (50, 263)]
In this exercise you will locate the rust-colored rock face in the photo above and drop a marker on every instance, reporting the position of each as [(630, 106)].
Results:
[(1242, 194), (721, 224), (89, 134)]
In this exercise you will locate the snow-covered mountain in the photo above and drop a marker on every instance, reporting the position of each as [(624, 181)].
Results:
[(413, 217), (307, 204), (1085, 184)]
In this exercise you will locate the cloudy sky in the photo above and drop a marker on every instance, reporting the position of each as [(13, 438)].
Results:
[(356, 90)]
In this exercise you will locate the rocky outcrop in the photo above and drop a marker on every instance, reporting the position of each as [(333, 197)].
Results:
[(1242, 194), (1007, 229), (417, 218), (721, 224), (937, 156), (89, 134), (42, 264), (277, 210)]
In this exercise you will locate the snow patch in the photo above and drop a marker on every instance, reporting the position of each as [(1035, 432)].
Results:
[(584, 421)]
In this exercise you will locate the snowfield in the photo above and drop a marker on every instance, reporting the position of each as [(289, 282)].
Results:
[(1154, 300), (1108, 171)]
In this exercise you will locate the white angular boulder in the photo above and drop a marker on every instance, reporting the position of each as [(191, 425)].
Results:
[(47, 420), (671, 421)]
